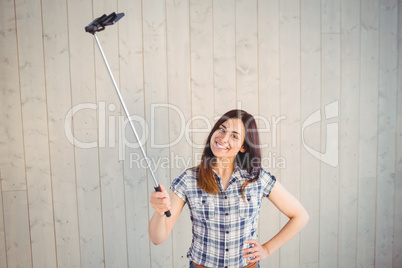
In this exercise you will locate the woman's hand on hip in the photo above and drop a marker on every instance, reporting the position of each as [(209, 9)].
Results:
[(257, 253)]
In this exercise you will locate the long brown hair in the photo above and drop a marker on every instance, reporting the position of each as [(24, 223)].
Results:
[(250, 160)]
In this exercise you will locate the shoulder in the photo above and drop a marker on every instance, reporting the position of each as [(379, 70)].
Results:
[(183, 184), (193, 171), (187, 177), (190, 173), (268, 181), (266, 175)]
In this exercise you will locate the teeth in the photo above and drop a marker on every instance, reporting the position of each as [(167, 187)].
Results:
[(221, 146)]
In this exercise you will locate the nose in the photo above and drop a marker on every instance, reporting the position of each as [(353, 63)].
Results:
[(225, 137)]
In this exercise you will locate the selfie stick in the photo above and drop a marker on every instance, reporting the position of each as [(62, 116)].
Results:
[(99, 25)]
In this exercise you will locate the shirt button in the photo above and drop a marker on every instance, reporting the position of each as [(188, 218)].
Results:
[(227, 232), (226, 197), (227, 249), (226, 214)]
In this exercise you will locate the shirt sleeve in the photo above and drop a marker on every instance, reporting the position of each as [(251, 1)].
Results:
[(179, 186), (268, 182)]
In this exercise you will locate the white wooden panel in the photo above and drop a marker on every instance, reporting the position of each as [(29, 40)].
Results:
[(310, 103), (85, 130), (330, 16), (387, 98), (224, 36), (329, 203), (247, 55), (111, 169), (35, 125), (366, 224), (202, 87), (16, 224), (135, 179), (11, 139), (57, 76), (178, 48), (397, 256), (269, 110), (155, 75), (349, 132), (368, 114), (290, 107), (201, 33), (89, 205)]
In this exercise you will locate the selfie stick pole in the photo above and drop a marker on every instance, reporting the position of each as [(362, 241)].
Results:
[(99, 25)]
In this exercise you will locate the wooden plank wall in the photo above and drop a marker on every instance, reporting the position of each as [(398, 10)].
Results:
[(323, 78)]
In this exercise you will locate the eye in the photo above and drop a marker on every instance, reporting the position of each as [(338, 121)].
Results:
[(234, 136), (222, 130)]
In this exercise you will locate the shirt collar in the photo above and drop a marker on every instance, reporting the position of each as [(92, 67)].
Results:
[(238, 172), (236, 169), (245, 174)]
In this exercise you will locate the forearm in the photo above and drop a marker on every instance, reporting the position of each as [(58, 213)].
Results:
[(291, 228), (157, 229), (159, 225)]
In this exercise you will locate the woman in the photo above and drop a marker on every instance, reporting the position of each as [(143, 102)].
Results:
[(224, 195)]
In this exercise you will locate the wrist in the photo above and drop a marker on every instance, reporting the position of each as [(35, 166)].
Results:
[(266, 248), (158, 215), (161, 214)]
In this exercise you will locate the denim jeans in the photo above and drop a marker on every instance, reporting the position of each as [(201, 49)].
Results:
[(192, 266)]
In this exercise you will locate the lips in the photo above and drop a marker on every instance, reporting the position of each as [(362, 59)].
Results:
[(220, 146)]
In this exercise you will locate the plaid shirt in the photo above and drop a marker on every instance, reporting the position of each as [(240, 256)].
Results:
[(223, 222)]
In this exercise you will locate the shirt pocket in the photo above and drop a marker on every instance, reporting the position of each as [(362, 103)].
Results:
[(204, 208), (248, 207)]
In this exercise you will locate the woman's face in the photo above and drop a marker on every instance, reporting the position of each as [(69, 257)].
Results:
[(228, 139)]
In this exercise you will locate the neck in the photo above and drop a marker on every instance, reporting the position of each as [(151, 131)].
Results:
[(224, 166)]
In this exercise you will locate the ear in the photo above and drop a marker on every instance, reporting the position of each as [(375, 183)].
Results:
[(243, 149)]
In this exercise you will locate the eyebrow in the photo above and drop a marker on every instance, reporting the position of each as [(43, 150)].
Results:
[(222, 125)]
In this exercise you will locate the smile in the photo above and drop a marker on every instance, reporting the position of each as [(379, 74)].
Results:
[(220, 146)]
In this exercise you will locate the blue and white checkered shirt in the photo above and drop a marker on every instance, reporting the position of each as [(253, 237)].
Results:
[(223, 222)]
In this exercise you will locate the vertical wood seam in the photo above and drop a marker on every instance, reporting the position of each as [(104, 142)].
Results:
[(72, 129), (378, 120), (280, 106), (339, 128), (358, 144), (191, 78), (48, 134), (258, 56), (4, 220), (213, 57), (122, 166), (398, 91), (168, 111), (300, 115), (236, 64), (22, 128), (320, 130), (98, 151), (190, 84), (258, 87), (22, 136), (145, 112)]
